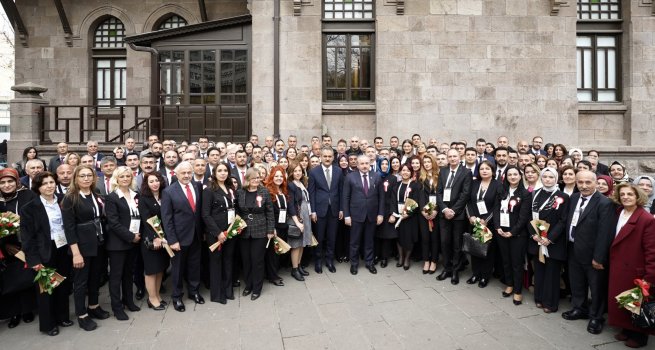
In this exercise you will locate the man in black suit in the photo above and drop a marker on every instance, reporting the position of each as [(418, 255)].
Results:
[(32, 167), (452, 196), (501, 156), (213, 158), (240, 168), (363, 208), (168, 170), (107, 165), (64, 178), (157, 148), (181, 218), (325, 187), (58, 159), (590, 227), (92, 150), (537, 143)]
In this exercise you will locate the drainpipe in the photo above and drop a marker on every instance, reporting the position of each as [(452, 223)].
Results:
[(276, 68), (154, 90)]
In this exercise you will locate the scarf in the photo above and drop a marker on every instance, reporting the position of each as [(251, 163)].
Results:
[(554, 172)]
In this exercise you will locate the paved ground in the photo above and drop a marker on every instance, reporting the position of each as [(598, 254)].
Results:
[(394, 309)]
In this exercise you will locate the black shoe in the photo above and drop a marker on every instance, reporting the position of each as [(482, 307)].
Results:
[(399, 264), (230, 297), (254, 296), (53, 332), (246, 292), (507, 295), (296, 274), (178, 305), (383, 263), (15, 321), (28, 317), (302, 271), (236, 284), (517, 302), (220, 301), (197, 298), (163, 302), (455, 279), (98, 313), (139, 294), (331, 268), (483, 282), (86, 323), (353, 269), (371, 268), (65, 323), (443, 275), (574, 314), (277, 282), (595, 326), (339, 260), (120, 315), (346, 259), (132, 307), (472, 280), (318, 269), (159, 307)]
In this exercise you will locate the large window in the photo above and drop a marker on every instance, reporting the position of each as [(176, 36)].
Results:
[(171, 22), (599, 50), (348, 50), (171, 71), (109, 64)]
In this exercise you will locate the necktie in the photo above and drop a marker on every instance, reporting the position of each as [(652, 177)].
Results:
[(172, 174), (451, 179), (243, 177), (480, 161), (498, 175), (189, 196), (582, 201), (582, 207), (328, 177), (61, 160), (365, 176), (107, 185)]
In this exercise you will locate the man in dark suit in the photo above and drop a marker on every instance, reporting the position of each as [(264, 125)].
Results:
[(536, 148), (147, 165), (181, 218), (239, 171), (480, 146), (452, 196), (64, 178), (58, 159), (590, 225), (213, 158), (32, 167), (363, 208), (168, 170), (107, 166), (325, 187), (92, 150)]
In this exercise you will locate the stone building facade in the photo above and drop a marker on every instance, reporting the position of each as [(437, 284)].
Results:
[(448, 69)]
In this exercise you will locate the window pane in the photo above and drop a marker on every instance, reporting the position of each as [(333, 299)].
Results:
[(120, 63), (194, 56), (600, 68), (209, 78), (164, 56), (178, 56), (103, 63), (209, 55), (227, 55), (195, 100), (588, 68), (611, 69), (584, 96), (583, 41), (240, 77), (606, 95), (173, 21), (606, 41), (195, 78), (240, 55), (227, 78), (579, 69), (109, 34)]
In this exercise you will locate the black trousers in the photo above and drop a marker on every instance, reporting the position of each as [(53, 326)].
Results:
[(546, 282), (186, 266), (384, 247), (585, 278), (138, 273), (55, 308), (362, 232), (204, 263), (86, 283), (220, 271), (451, 242), (483, 267), (326, 235), (342, 241), (252, 255), (430, 240), (512, 253), (121, 267), (272, 260)]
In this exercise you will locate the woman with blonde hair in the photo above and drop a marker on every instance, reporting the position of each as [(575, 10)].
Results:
[(531, 179), (72, 159)]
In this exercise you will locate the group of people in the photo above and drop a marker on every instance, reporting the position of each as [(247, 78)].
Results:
[(127, 217)]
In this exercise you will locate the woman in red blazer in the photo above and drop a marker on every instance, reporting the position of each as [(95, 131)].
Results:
[(632, 255)]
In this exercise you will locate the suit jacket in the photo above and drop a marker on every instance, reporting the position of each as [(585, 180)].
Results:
[(556, 218), (35, 232), (98, 158), (359, 206), (164, 173), (459, 194), (215, 205), (78, 224), (148, 207), (294, 199), (490, 200), (602, 169), (119, 216), (55, 162), (100, 186), (519, 214), (180, 222), (260, 220), (25, 181), (595, 229), (234, 172), (539, 152), (320, 195)]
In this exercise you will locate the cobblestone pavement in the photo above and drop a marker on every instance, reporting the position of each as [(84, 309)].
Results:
[(394, 309)]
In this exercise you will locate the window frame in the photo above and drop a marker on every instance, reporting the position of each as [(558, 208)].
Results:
[(348, 87), (594, 67), (177, 23), (113, 54)]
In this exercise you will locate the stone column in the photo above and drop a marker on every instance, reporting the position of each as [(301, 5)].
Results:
[(24, 119)]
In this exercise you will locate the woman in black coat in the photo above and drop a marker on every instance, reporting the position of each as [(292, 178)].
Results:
[(82, 215), (408, 229), (217, 211), (550, 205), (429, 180), (386, 233), (155, 260), (19, 298), (481, 205), (511, 216), (123, 235), (41, 221), (276, 183)]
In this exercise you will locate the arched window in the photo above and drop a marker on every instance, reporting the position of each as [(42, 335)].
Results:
[(171, 22), (109, 34), (109, 64)]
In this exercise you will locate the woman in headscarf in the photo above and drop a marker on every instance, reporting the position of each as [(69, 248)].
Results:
[(386, 233), (618, 173), (576, 155), (646, 183), (605, 185), (549, 204)]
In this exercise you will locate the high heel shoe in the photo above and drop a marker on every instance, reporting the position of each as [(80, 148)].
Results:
[(159, 307), (507, 294), (15, 321), (431, 271), (519, 301)]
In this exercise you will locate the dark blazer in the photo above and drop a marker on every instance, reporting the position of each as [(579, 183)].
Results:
[(180, 222), (414, 193), (148, 207), (119, 216), (519, 216), (595, 229), (490, 200), (215, 205), (35, 232), (359, 206), (294, 199), (100, 185), (459, 194), (234, 172), (539, 152), (320, 196), (557, 220), (54, 163), (25, 181), (164, 173), (262, 222), (78, 225), (602, 169)]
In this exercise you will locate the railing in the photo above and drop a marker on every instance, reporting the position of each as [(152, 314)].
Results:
[(79, 124)]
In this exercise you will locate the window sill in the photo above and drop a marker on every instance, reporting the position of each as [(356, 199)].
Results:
[(601, 107), (348, 108)]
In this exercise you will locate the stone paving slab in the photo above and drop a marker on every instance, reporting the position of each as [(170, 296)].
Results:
[(394, 309)]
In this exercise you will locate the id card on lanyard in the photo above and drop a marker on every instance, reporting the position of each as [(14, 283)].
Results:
[(282, 217), (135, 221), (504, 215), (401, 206), (535, 214), (230, 212)]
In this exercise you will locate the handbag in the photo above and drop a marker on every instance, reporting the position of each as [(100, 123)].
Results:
[(646, 317), (15, 277), (474, 246), (294, 231)]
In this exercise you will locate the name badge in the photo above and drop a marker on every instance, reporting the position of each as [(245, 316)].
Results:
[(574, 219), (504, 219), (433, 199), (282, 218), (135, 224), (446, 195), (482, 208), (60, 239), (401, 207), (535, 215), (230, 216)]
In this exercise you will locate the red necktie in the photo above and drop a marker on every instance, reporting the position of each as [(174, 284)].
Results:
[(189, 196), (107, 185), (243, 177), (172, 173)]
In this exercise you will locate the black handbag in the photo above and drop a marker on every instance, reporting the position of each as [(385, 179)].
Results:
[(474, 246), (294, 231), (646, 317), (15, 277)]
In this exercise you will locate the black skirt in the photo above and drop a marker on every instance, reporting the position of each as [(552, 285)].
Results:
[(154, 261)]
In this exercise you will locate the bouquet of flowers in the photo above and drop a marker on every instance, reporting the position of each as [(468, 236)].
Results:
[(540, 228), (409, 207), (428, 209), (314, 241), (235, 229), (280, 246), (631, 299), (155, 223), (481, 232), (48, 279), (9, 224)]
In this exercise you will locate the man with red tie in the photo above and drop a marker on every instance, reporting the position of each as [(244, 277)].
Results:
[(181, 218), (168, 170), (239, 171)]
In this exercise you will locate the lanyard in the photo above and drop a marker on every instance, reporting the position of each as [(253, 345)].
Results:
[(481, 192), (96, 210), (545, 202), (283, 200), (407, 190)]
